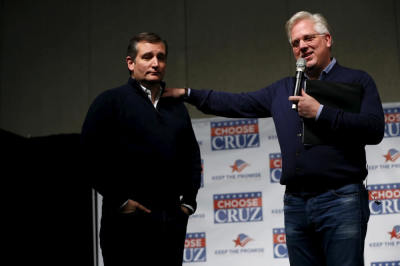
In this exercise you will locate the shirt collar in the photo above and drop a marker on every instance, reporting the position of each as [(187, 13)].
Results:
[(148, 92), (326, 70), (329, 67)]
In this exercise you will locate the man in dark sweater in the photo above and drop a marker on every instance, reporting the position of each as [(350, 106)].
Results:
[(325, 203), (144, 160)]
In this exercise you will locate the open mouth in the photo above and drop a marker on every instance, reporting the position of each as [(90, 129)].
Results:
[(307, 56)]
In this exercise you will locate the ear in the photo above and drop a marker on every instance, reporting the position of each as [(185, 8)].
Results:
[(130, 63), (328, 39)]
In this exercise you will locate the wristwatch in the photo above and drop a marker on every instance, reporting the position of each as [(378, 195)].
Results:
[(186, 95)]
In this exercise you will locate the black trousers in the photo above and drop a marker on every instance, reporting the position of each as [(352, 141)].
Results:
[(141, 238)]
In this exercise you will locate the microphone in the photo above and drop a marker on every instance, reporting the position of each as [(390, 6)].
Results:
[(300, 67)]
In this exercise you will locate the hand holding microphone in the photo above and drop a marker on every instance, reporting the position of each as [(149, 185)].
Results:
[(300, 68), (304, 104)]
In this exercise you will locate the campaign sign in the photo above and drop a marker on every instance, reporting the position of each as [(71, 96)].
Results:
[(234, 134), (240, 248), (238, 207), (275, 167), (242, 240), (384, 198), (389, 161), (239, 165), (395, 233), (388, 239), (279, 241), (237, 168), (392, 122), (195, 247), (392, 155)]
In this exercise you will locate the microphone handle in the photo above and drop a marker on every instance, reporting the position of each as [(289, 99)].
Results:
[(299, 78)]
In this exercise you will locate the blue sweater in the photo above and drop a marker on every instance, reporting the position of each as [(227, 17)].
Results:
[(134, 151), (305, 165)]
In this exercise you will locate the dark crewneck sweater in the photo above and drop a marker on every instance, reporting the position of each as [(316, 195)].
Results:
[(310, 166)]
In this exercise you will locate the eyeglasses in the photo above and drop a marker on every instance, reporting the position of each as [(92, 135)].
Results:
[(306, 38)]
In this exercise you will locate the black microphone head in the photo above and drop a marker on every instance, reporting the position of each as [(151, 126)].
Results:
[(301, 64)]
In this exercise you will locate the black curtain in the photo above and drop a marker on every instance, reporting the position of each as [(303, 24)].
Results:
[(47, 212)]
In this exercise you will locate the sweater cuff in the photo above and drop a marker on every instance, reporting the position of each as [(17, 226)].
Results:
[(191, 209)]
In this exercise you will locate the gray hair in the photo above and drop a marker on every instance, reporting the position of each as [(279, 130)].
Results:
[(320, 24)]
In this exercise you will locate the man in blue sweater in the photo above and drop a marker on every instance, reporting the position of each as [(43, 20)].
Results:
[(144, 160), (325, 202)]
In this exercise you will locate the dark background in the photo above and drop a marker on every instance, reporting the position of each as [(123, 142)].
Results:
[(56, 56)]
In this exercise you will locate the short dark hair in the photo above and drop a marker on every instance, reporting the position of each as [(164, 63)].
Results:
[(144, 37)]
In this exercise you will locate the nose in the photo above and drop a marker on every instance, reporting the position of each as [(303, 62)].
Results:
[(155, 63), (303, 45)]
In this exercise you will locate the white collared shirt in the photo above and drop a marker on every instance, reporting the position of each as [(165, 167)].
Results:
[(148, 92)]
